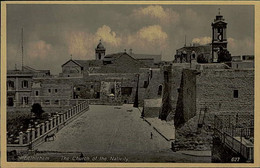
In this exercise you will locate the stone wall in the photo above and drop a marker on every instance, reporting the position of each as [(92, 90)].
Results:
[(219, 90), (155, 87), (243, 64), (152, 107), (37, 134), (189, 93), (175, 81)]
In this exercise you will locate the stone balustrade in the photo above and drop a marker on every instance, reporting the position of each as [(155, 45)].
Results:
[(42, 129)]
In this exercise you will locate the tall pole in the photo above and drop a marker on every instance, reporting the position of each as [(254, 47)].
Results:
[(185, 41), (136, 94), (22, 48)]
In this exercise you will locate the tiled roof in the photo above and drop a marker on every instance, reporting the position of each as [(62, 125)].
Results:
[(157, 58)]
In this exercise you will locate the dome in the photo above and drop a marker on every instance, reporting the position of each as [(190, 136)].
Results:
[(100, 46)]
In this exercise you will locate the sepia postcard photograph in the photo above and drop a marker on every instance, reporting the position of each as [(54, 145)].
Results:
[(127, 82)]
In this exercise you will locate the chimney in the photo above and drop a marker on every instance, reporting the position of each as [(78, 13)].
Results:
[(130, 51)]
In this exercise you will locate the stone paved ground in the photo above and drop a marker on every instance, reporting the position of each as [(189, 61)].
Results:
[(106, 131)]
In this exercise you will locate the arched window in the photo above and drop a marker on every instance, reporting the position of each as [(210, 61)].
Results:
[(166, 76), (160, 90), (25, 84), (10, 85)]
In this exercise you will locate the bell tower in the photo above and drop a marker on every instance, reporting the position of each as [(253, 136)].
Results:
[(100, 51), (219, 37)]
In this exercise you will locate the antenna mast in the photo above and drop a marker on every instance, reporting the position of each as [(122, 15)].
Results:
[(185, 41), (22, 48)]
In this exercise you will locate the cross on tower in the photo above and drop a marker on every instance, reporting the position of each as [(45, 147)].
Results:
[(218, 11), (70, 56)]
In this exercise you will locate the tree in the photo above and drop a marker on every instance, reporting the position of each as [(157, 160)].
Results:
[(224, 55), (201, 59), (37, 110)]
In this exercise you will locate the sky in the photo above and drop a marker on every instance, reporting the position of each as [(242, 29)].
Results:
[(51, 33)]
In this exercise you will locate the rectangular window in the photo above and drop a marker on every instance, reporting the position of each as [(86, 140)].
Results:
[(98, 95), (56, 102), (235, 93), (166, 76), (25, 100), (126, 91), (49, 90), (24, 84), (145, 84), (47, 102), (112, 91), (56, 90), (36, 93)]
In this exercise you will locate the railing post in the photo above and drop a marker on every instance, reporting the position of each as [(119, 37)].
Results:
[(43, 128), (20, 138), (250, 154), (51, 123), (241, 141), (54, 121), (38, 130), (58, 119), (47, 125), (28, 132), (33, 134), (61, 118)]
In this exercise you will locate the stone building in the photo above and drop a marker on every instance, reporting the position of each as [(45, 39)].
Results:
[(100, 51), (242, 62), (19, 85), (219, 36), (207, 53), (19, 88), (109, 79), (219, 89), (187, 53)]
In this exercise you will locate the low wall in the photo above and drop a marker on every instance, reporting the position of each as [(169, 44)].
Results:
[(37, 134), (151, 112)]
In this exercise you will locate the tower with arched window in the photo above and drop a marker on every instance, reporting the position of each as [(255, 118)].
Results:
[(219, 36), (100, 51)]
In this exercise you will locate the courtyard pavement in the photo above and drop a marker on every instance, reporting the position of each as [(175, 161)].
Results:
[(113, 131)]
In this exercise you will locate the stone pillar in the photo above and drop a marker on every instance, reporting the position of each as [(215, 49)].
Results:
[(58, 119), (68, 114), (43, 128), (51, 123), (65, 116), (47, 126), (54, 121), (33, 134), (28, 132), (20, 138), (38, 128), (71, 112), (62, 118)]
